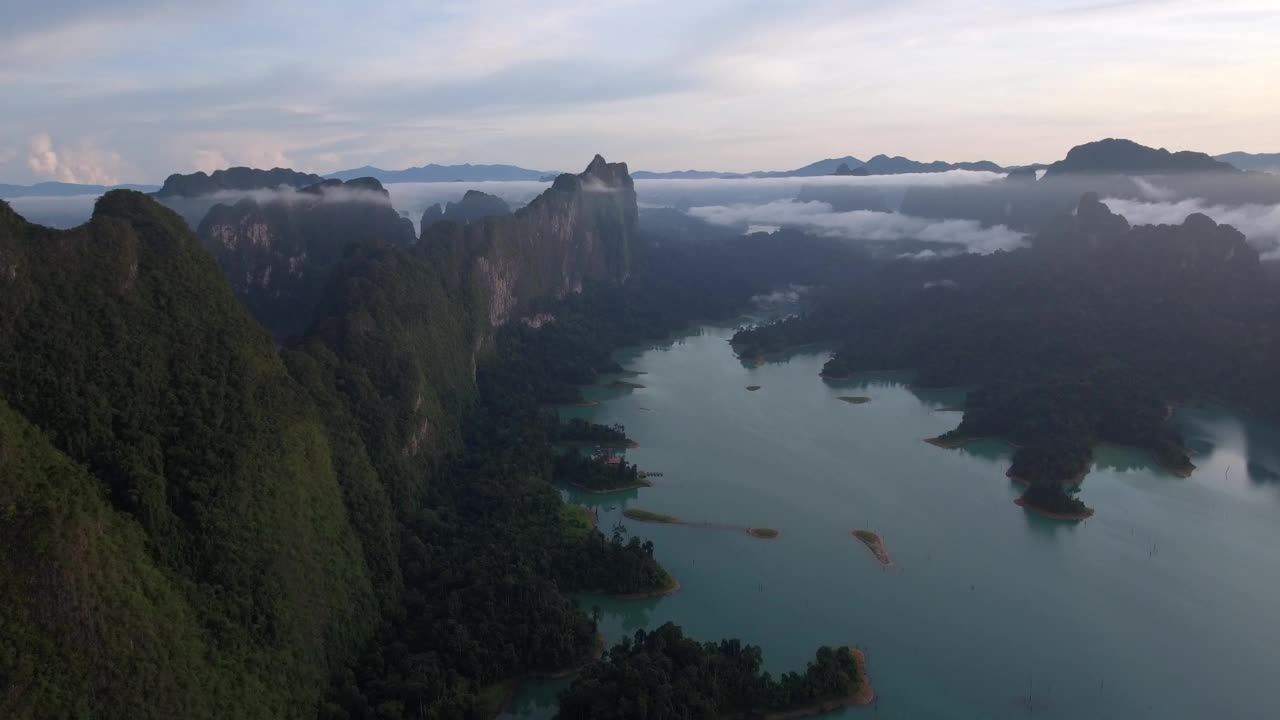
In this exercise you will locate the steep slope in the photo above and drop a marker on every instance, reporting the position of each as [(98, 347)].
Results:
[(277, 251), (580, 230), (227, 533), (209, 516)]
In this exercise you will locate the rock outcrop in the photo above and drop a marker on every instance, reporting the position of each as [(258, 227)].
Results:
[(277, 253), (580, 230)]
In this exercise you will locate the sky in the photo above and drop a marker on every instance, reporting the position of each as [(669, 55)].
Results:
[(133, 90)]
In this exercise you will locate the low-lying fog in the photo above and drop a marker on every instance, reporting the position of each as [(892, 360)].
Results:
[(746, 204)]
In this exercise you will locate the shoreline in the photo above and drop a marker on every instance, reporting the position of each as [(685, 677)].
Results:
[(855, 399), (1075, 480), (863, 696), (513, 684), (875, 544), (627, 444), (1066, 517), (956, 443), (673, 588), (639, 484)]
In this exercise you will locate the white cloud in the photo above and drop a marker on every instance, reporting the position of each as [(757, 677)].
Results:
[(84, 163), (209, 160), (819, 217), (1259, 223)]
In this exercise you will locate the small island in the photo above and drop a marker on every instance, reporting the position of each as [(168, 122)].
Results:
[(753, 388), (874, 542), (624, 385), (763, 533), (854, 399)]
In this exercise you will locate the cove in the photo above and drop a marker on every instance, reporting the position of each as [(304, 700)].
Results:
[(1161, 605)]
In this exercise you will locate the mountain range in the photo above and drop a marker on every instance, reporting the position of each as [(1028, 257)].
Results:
[(444, 173), (1258, 162), (1116, 154), (62, 189)]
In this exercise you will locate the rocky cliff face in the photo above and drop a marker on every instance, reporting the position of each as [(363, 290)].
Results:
[(473, 206), (580, 230), (277, 252)]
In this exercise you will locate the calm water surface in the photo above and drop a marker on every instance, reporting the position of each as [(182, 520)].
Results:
[(1162, 605)]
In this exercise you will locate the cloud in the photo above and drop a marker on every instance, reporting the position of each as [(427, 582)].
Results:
[(665, 85), (1151, 191), (209, 160), (84, 164), (1259, 223), (818, 217), (730, 191)]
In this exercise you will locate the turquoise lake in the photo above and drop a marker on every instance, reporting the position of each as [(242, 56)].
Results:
[(1162, 605)]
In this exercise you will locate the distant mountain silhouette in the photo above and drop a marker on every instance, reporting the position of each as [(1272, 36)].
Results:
[(898, 165), (685, 175), (444, 173), (1126, 157), (1258, 162), (845, 170), (236, 178), (61, 189), (878, 165)]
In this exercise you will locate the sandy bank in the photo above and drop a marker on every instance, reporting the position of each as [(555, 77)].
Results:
[(753, 388), (875, 543), (760, 533), (854, 399)]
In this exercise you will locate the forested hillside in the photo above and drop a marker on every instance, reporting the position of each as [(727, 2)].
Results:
[(199, 524), (1087, 336)]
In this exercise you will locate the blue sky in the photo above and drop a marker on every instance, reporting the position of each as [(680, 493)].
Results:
[(131, 90)]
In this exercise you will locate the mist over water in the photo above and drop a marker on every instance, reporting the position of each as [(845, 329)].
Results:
[(821, 219), (764, 204)]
